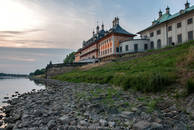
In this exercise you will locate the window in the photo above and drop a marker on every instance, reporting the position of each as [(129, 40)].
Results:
[(179, 25), (121, 49), (135, 47), (110, 50), (170, 41), (145, 46), (126, 48), (179, 37), (117, 49), (145, 37), (169, 28), (151, 34), (159, 32), (190, 21), (159, 44), (190, 35), (152, 45)]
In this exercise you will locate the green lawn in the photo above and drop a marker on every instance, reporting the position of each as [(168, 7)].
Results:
[(147, 74)]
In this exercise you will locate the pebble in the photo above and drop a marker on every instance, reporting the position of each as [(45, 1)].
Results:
[(51, 124), (103, 122), (111, 124), (1, 123), (83, 123), (141, 125), (134, 109)]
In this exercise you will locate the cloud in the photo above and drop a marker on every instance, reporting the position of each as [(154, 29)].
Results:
[(17, 58), (20, 32)]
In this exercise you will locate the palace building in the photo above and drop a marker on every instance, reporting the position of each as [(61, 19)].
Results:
[(103, 44), (170, 29)]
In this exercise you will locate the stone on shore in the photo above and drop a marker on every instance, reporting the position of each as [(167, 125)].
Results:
[(141, 125)]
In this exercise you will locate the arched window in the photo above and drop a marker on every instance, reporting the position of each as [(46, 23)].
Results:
[(159, 44), (152, 45)]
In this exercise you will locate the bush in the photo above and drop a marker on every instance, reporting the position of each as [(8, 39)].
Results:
[(190, 86)]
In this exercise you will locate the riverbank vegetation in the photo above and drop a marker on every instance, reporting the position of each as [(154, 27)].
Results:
[(151, 73)]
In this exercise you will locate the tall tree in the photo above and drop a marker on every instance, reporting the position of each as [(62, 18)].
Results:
[(69, 58)]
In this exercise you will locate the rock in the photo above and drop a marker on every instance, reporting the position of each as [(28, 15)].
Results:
[(156, 126), (1, 116), (126, 114), (38, 113), (111, 124), (72, 128), (65, 120), (134, 109), (51, 124), (1, 123), (9, 127), (103, 122), (17, 116), (83, 123), (6, 97), (192, 115), (129, 124), (141, 125)]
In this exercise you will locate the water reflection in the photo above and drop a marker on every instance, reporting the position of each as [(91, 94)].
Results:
[(8, 87)]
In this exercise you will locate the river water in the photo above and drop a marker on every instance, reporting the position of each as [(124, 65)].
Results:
[(9, 86)]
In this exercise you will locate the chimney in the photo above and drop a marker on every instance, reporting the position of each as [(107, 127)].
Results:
[(160, 14), (167, 10), (117, 20), (114, 22), (187, 5)]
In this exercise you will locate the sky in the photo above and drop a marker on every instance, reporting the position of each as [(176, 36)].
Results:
[(66, 23), (34, 32), (26, 60)]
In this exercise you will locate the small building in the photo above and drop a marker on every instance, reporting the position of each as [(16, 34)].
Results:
[(134, 46), (170, 29)]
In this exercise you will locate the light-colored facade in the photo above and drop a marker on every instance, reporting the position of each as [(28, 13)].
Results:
[(89, 52), (133, 46), (171, 29)]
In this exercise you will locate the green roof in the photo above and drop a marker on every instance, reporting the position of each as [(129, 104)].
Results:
[(167, 17)]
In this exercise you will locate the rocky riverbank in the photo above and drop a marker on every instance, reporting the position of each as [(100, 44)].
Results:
[(71, 106)]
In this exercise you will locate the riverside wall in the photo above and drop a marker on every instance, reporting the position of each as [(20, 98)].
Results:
[(56, 69)]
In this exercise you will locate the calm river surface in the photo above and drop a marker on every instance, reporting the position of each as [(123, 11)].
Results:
[(8, 87)]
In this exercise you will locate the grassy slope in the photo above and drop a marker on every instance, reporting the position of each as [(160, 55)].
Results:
[(148, 74)]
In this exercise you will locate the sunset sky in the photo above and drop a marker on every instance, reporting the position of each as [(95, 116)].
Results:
[(66, 23)]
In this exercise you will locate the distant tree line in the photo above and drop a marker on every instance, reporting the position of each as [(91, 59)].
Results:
[(13, 75), (38, 72), (69, 58)]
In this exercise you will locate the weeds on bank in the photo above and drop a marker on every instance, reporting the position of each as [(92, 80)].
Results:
[(190, 86)]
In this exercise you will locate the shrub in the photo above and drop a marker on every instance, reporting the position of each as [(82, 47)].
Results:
[(190, 86)]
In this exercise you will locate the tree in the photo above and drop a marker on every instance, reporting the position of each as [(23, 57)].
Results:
[(38, 72), (69, 58)]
